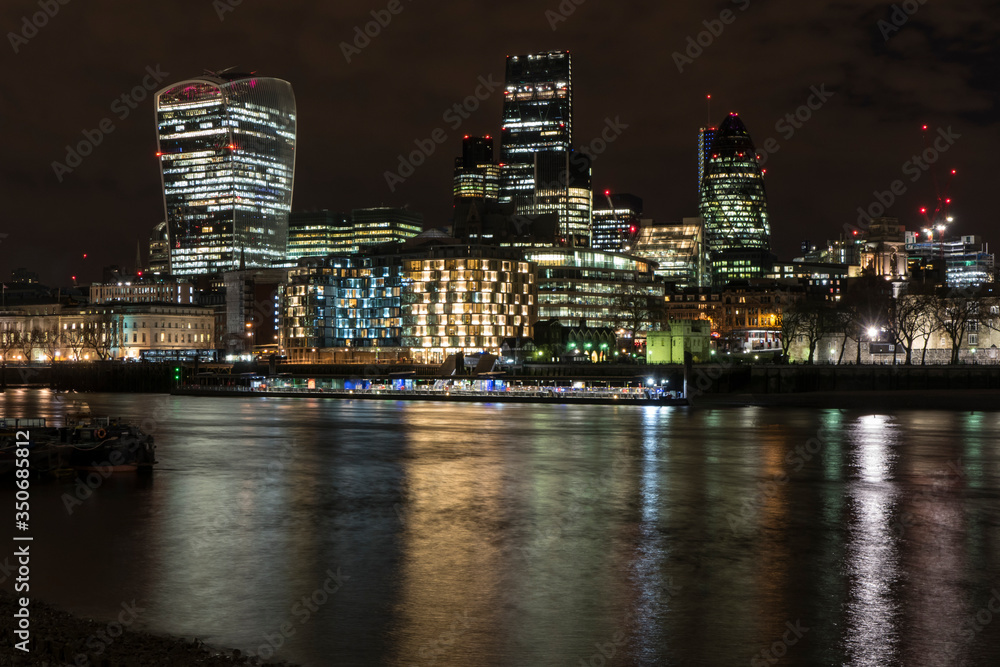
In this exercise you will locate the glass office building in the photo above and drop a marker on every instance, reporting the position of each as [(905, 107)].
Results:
[(318, 234), (540, 172), (586, 286), (477, 174), (378, 226), (226, 146), (734, 206), (616, 222)]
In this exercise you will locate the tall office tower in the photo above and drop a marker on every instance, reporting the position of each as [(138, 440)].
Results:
[(477, 174), (540, 173), (318, 234), (377, 226), (705, 137), (159, 250), (616, 222), (226, 144), (734, 206)]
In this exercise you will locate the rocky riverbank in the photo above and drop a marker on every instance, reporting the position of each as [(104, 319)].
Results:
[(59, 639)]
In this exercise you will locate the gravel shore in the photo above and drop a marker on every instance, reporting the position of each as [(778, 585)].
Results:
[(59, 639)]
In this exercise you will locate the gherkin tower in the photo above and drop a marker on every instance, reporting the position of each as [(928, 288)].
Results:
[(734, 207)]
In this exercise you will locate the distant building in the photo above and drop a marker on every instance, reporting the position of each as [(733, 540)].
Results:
[(705, 137), (477, 174), (592, 287), (540, 172), (252, 307), (883, 249), (159, 250), (841, 251), (56, 332), (318, 234), (668, 347), (745, 317), (465, 299), (557, 341), (226, 145), (378, 226), (144, 289), (821, 279), (734, 206), (350, 302), (967, 260), (678, 250), (426, 299), (616, 221)]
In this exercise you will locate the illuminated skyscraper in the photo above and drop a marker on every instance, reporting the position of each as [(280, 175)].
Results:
[(540, 173), (616, 222), (226, 144), (734, 206), (705, 137), (477, 175)]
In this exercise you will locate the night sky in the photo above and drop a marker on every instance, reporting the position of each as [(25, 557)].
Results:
[(354, 119)]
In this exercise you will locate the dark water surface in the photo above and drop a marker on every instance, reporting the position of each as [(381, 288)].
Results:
[(465, 534)]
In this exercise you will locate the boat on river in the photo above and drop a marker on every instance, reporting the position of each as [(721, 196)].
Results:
[(85, 444)]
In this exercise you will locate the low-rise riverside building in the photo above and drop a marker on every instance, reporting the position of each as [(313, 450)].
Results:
[(56, 332), (669, 346)]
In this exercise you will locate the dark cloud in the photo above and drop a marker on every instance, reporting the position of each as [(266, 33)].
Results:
[(356, 118)]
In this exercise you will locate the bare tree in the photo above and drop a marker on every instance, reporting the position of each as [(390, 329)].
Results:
[(791, 327), (905, 323), (27, 342), (8, 342), (813, 320), (956, 315), (49, 341), (631, 308), (76, 343), (103, 334)]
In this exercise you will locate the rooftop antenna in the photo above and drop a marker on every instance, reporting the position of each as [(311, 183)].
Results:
[(709, 101)]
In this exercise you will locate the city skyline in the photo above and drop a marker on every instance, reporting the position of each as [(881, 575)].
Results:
[(110, 200)]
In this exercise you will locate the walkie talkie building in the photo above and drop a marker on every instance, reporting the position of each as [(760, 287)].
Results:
[(226, 146)]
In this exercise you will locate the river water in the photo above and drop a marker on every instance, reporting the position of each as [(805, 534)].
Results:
[(328, 532)]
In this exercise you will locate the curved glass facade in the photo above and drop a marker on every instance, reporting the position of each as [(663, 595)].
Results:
[(227, 158), (734, 206)]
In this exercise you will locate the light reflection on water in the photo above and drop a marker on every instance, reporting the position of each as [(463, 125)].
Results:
[(538, 535), (873, 560)]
